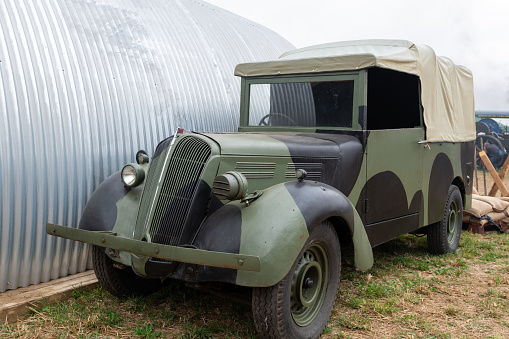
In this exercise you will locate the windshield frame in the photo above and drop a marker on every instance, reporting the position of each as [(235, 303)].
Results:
[(359, 98)]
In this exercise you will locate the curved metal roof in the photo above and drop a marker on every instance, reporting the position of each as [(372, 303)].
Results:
[(83, 86)]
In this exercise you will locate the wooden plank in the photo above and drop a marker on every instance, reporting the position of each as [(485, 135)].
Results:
[(501, 174), (17, 302), (476, 228), (493, 173)]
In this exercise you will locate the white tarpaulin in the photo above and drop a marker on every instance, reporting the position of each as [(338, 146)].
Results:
[(447, 89)]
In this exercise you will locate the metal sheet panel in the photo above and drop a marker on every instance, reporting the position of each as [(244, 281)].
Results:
[(83, 86)]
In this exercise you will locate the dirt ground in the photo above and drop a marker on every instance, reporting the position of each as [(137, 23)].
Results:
[(461, 307), (484, 182)]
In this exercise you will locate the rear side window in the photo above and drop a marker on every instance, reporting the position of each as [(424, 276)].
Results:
[(393, 100)]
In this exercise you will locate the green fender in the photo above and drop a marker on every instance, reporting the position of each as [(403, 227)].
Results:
[(113, 207), (276, 226)]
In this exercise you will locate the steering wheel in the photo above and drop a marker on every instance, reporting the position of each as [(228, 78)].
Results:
[(265, 121)]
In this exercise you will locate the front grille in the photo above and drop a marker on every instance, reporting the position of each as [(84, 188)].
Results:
[(154, 172), (176, 190)]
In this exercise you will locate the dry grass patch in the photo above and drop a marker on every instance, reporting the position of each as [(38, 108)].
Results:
[(462, 295), (408, 294)]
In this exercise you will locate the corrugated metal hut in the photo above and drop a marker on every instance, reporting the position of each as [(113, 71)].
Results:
[(84, 85)]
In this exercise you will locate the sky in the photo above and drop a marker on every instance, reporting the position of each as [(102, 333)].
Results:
[(472, 33)]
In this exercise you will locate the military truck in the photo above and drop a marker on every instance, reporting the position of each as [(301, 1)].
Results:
[(352, 142)]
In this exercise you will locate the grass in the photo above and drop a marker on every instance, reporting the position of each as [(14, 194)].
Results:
[(407, 294), (412, 294)]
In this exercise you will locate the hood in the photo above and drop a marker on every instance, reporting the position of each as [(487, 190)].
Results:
[(281, 144), (339, 156)]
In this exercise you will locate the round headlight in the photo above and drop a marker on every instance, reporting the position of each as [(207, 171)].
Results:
[(231, 186), (132, 175)]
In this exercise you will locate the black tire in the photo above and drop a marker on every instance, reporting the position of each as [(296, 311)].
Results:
[(279, 311), (491, 139), (123, 282), (444, 236)]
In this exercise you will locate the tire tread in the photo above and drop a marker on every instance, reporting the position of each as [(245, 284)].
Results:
[(437, 233), (268, 304), (120, 282)]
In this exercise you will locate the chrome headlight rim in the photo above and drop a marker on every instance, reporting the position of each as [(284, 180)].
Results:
[(132, 175)]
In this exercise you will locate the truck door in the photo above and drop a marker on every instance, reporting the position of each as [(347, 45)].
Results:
[(393, 199)]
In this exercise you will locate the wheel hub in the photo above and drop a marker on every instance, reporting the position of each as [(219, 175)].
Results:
[(452, 222), (307, 290), (309, 284)]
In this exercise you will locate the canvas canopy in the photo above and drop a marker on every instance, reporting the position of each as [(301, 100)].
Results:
[(447, 89)]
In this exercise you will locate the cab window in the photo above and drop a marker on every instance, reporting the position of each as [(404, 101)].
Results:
[(305, 104)]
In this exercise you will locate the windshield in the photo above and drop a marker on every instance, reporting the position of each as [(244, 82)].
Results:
[(306, 104)]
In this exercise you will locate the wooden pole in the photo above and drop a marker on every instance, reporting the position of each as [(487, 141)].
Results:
[(501, 174), (483, 169), (486, 161), (484, 177), (475, 170)]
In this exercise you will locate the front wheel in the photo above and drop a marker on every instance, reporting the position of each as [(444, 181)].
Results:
[(299, 306), (444, 236), (120, 282)]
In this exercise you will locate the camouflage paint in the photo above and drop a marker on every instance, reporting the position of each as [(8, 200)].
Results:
[(220, 232), (276, 226), (441, 176), (273, 156), (387, 170), (467, 168), (273, 228), (318, 202), (265, 158), (102, 211), (340, 154), (362, 165), (399, 152), (450, 157), (335, 158)]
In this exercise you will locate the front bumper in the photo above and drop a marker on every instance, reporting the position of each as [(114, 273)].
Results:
[(174, 253)]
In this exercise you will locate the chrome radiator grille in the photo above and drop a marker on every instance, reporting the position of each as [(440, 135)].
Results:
[(180, 177)]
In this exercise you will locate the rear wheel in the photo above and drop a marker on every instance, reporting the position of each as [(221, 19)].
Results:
[(120, 282), (299, 306), (444, 236)]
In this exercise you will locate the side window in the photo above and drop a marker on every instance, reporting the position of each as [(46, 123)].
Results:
[(393, 100)]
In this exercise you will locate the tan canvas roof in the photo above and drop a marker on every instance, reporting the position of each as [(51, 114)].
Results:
[(447, 89)]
